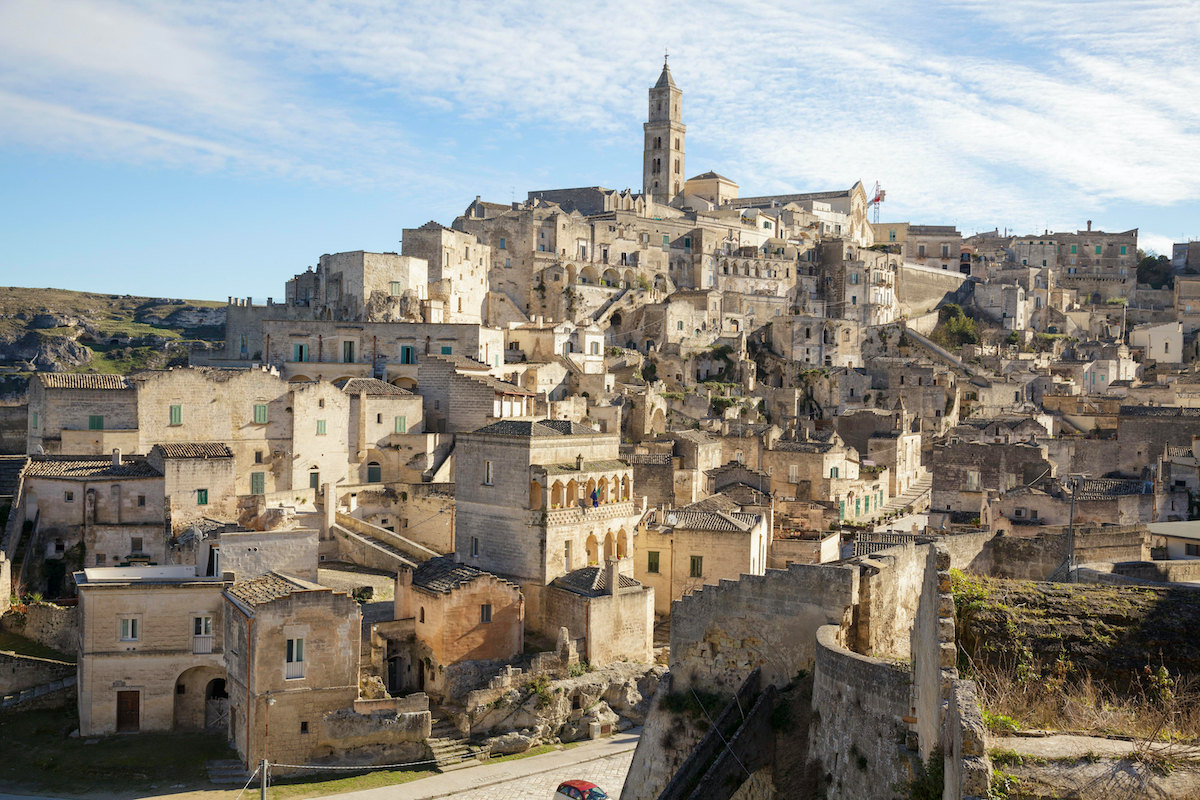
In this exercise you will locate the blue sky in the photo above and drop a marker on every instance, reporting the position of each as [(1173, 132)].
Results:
[(208, 149)]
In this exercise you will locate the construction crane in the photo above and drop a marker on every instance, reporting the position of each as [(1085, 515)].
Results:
[(877, 199)]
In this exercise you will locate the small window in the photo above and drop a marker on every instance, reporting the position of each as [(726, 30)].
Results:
[(374, 472), (60, 546), (130, 629), (448, 350), (68, 497), (1191, 549), (487, 473), (304, 727), (258, 483), (34, 418), (401, 424), (135, 544), (141, 501), (295, 659), (202, 497), (679, 325), (320, 427), (260, 413), (652, 562), (697, 567), (101, 559), (96, 422), (502, 243), (485, 613), (202, 626), (422, 614), (475, 547)]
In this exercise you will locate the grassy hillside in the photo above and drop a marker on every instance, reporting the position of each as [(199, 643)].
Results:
[(83, 332)]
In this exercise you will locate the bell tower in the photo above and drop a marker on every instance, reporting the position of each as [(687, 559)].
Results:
[(663, 167)]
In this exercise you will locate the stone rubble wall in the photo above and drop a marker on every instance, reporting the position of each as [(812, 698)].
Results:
[(52, 626)]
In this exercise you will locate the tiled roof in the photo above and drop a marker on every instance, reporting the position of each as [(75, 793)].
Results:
[(266, 588), (545, 427), (370, 386), (1103, 488), (706, 520), (588, 466), (716, 502), (696, 437), (591, 581), (196, 450), (1159, 411), (444, 574), (803, 447), (709, 176), (58, 380), (79, 467)]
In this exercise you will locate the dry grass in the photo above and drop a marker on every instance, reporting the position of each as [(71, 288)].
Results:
[(1156, 708)]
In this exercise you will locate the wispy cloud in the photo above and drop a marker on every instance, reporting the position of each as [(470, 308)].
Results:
[(1022, 113)]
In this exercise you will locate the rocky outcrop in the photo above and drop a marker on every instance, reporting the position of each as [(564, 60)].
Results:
[(46, 351)]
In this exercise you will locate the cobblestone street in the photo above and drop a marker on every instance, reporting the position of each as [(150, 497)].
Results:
[(607, 773)]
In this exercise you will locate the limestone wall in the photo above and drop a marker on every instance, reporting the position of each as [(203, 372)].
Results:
[(18, 673), (968, 769), (721, 633), (14, 422), (49, 625), (253, 553), (858, 730)]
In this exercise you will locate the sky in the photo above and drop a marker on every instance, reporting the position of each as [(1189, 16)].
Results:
[(207, 149)]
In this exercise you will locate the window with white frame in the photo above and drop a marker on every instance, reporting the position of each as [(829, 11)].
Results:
[(294, 665), (131, 629), (202, 634)]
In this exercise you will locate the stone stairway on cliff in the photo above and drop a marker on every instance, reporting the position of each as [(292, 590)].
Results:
[(450, 747)]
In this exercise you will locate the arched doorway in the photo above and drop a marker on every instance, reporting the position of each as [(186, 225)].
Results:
[(201, 700)]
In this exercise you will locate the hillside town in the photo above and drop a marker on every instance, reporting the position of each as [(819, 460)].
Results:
[(557, 466)]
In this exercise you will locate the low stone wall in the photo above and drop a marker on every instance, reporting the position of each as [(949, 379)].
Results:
[(18, 673), (858, 733), (49, 625), (412, 703), (348, 737), (1161, 571)]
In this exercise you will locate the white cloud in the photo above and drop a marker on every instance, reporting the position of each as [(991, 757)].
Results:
[(1026, 114)]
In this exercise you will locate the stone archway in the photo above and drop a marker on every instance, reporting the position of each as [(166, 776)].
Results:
[(592, 549), (610, 547), (193, 688), (622, 544), (535, 495)]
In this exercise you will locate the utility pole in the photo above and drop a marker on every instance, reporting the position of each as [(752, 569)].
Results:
[(1072, 576), (262, 779)]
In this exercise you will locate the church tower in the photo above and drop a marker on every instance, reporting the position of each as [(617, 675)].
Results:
[(662, 167)]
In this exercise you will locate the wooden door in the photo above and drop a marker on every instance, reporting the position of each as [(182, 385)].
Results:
[(128, 712)]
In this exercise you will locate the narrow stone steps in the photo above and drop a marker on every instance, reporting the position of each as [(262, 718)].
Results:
[(226, 771)]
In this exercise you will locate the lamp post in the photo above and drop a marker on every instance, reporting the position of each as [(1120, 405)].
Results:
[(266, 764)]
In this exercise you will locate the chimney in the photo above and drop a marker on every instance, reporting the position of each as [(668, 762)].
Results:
[(1089, 224), (579, 462), (612, 575), (116, 456)]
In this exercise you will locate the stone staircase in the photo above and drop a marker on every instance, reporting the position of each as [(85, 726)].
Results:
[(390, 553), (15, 699), (920, 489), (451, 749), (227, 771)]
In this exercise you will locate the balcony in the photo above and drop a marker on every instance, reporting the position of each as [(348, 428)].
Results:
[(293, 670), (202, 645)]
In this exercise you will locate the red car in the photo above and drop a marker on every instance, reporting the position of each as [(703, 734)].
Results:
[(580, 790)]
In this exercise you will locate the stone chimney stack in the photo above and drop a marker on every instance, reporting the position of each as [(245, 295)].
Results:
[(579, 462), (116, 456), (1089, 224)]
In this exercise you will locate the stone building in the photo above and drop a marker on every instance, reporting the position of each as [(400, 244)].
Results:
[(1100, 266), (198, 482), (461, 394), (151, 648), (706, 542), (458, 269), (818, 465), (81, 414), (539, 499), (938, 246), (111, 509), (663, 168), (457, 613), (963, 472), (357, 285), (291, 651), (613, 611)]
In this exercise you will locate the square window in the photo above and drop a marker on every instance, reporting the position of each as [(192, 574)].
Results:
[(202, 497), (68, 497), (447, 350), (100, 559), (135, 544), (141, 501), (202, 626), (485, 613), (96, 422), (1191, 549), (260, 413), (130, 629)]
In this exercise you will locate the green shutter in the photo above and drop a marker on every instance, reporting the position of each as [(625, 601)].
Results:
[(260, 413), (258, 483), (447, 350), (176, 415), (1122, 249), (202, 497), (1074, 248), (320, 427), (96, 422), (652, 561), (401, 425), (1099, 249), (35, 419)]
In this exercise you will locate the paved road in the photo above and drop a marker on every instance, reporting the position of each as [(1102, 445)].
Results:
[(603, 762)]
